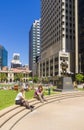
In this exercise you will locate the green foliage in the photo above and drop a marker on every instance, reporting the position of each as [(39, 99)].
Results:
[(35, 79), (29, 94), (79, 77), (18, 77), (7, 97), (30, 78), (3, 77)]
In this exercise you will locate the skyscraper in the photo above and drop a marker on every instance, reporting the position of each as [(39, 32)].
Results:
[(3, 57), (34, 45), (58, 37), (16, 61), (81, 35)]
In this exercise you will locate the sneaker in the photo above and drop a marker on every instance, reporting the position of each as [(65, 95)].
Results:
[(31, 109), (28, 107), (45, 100), (31, 106)]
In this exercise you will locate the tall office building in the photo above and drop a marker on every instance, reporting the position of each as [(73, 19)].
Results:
[(3, 57), (34, 45), (16, 61), (81, 35), (58, 37)]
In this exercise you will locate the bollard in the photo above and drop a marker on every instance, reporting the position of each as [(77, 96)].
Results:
[(49, 91)]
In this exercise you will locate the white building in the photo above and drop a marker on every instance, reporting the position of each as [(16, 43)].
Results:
[(16, 61)]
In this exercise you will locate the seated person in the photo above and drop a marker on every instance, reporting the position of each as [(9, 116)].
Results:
[(39, 94), (20, 100)]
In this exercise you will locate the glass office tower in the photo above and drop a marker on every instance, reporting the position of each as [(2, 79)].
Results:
[(3, 57), (34, 45)]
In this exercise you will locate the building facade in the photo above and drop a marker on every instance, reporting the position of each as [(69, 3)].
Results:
[(81, 35), (16, 61), (34, 45), (58, 37), (11, 73), (3, 57)]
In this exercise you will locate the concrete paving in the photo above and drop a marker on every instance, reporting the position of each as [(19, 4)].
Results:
[(66, 114)]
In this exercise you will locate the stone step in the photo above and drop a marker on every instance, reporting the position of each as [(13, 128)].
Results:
[(10, 123), (8, 109), (17, 117), (22, 114), (14, 113), (5, 111), (10, 114)]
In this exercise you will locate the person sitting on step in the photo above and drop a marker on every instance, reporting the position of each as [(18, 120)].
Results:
[(39, 94), (20, 100)]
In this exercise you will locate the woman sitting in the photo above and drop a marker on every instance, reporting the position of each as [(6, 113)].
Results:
[(39, 94), (20, 100)]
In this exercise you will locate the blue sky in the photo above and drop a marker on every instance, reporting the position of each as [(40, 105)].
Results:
[(16, 18)]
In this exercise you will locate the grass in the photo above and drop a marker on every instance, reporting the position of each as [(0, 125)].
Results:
[(7, 97)]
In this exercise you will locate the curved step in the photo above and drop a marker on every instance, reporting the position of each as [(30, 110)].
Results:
[(16, 113)]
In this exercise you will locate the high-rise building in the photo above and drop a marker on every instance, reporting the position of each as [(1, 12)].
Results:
[(34, 45), (16, 61), (58, 37), (81, 35), (3, 57)]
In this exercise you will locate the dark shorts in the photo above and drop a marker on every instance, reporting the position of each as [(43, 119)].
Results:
[(18, 102)]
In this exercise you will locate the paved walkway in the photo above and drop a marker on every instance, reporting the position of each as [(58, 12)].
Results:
[(64, 115)]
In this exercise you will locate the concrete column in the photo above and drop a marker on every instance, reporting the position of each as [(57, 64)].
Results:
[(53, 66), (42, 69), (39, 69), (49, 67), (76, 36), (45, 68)]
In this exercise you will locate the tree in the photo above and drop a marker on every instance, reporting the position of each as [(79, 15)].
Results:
[(46, 80), (3, 77), (35, 79), (79, 77), (30, 78), (18, 77)]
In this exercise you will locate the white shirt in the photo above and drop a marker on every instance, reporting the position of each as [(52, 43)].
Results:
[(19, 96)]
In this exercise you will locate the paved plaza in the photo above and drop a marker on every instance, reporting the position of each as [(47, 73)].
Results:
[(66, 114)]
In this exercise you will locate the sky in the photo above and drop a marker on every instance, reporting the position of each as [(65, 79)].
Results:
[(16, 18)]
